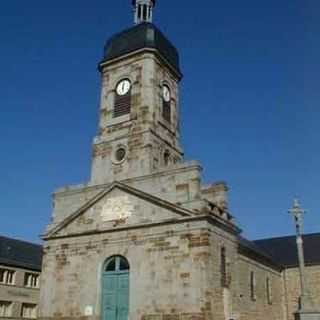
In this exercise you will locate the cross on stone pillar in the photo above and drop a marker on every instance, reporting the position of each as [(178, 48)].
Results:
[(306, 309)]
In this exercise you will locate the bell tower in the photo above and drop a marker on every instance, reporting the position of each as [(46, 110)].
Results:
[(143, 10), (139, 109)]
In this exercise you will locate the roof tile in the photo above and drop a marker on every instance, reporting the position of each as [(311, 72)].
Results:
[(17, 253)]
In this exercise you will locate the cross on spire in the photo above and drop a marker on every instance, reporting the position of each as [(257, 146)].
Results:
[(143, 10)]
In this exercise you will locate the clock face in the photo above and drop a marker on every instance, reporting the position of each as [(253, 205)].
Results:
[(166, 94), (123, 87)]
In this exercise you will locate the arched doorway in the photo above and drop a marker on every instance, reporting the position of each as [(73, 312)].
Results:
[(115, 289)]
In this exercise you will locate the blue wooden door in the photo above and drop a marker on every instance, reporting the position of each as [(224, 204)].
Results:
[(123, 297), (115, 290), (109, 297)]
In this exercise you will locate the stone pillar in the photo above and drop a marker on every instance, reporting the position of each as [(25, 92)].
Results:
[(307, 310)]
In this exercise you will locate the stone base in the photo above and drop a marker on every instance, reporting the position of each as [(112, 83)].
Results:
[(307, 315)]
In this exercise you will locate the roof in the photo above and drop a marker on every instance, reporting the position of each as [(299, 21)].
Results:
[(284, 249), (249, 248), (144, 35), (17, 253)]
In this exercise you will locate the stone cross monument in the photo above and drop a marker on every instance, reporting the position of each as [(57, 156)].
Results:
[(306, 309)]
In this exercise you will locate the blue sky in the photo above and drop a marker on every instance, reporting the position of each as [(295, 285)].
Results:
[(249, 100)]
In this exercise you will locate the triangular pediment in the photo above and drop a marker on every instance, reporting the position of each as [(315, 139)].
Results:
[(118, 206)]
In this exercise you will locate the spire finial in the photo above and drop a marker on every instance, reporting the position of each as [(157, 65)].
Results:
[(143, 10)]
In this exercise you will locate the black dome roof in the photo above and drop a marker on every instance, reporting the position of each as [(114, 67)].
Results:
[(144, 35)]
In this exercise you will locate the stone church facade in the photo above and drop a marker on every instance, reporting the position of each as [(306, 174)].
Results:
[(144, 239)]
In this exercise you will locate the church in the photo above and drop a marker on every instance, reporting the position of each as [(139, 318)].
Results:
[(145, 239)]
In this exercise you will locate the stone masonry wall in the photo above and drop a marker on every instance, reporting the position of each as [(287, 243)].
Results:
[(223, 304), (259, 308), (292, 287), (169, 273), (165, 184), (141, 132)]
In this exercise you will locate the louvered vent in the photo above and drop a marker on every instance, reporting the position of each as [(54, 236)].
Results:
[(122, 105), (166, 111)]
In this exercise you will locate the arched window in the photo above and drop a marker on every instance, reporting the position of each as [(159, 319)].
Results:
[(122, 101), (117, 264)]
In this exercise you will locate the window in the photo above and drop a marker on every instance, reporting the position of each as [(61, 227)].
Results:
[(269, 290), (223, 268), (253, 286), (166, 158), (29, 311), (5, 309), (120, 154), (124, 265), (122, 103), (111, 266), (31, 280), (7, 276), (117, 264)]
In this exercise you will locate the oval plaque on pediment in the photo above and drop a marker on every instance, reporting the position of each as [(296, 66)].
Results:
[(117, 208)]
